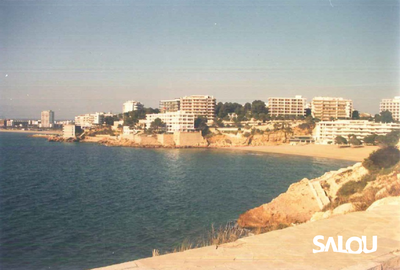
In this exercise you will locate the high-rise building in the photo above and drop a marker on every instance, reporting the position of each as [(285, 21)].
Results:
[(47, 118), (175, 121), (89, 119), (131, 105), (327, 108), (171, 105), (287, 106), (199, 105), (393, 106)]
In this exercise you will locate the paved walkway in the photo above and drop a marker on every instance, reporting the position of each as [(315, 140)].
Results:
[(291, 248)]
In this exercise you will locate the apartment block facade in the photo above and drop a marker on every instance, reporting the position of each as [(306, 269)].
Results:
[(47, 119), (327, 108), (131, 105), (391, 105), (199, 105), (171, 105), (326, 131), (175, 121), (287, 106), (89, 119)]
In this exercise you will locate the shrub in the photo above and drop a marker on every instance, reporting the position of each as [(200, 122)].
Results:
[(382, 158), (351, 188)]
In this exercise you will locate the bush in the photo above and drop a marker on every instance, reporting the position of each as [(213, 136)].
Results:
[(351, 188), (382, 159)]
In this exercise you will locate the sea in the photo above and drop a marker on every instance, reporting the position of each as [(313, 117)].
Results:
[(83, 205)]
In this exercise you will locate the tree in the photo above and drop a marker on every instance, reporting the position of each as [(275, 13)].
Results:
[(109, 120), (158, 126), (258, 107), (340, 140), (382, 158), (355, 115), (354, 141), (201, 124), (384, 117), (370, 139)]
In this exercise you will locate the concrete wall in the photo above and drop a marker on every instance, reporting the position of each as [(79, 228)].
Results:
[(189, 139), (166, 139), (146, 140)]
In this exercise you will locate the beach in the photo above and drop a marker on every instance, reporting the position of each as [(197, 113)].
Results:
[(314, 150)]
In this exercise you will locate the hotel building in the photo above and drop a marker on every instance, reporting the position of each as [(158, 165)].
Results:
[(175, 121), (326, 131), (171, 105), (393, 106), (131, 105), (89, 119), (326, 108), (47, 119), (199, 105), (287, 106)]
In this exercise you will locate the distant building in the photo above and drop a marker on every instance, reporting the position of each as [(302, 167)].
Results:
[(70, 131), (175, 121), (131, 105), (287, 106), (89, 119), (171, 105), (327, 108), (47, 119), (199, 105), (393, 106), (326, 131), (3, 122)]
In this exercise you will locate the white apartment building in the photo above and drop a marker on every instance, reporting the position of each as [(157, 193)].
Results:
[(69, 131), (47, 119), (287, 106), (175, 121), (131, 105), (325, 108), (393, 106), (89, 119), (199, 105), (325, 132), (170, 105)]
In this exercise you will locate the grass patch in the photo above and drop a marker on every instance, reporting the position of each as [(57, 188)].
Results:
[(351, 188)]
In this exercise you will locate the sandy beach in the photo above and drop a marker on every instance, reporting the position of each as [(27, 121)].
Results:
[(314, 150)]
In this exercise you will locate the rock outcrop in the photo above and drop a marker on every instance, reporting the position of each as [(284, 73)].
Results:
[(318, 198)]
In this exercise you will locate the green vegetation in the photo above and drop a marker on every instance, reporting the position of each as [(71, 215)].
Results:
[(340, 140), (354, 141), (382, 159), (157, 126), (351, 187), (201, 124), (133, 117), (384, 117), (355, 115)]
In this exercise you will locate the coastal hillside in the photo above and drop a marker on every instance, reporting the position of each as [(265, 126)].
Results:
[(347, 190)]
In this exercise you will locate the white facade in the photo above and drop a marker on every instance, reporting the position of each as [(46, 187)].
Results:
[(199, 105), (287, 106), (69, 131), (47, 119), (393, 106), (326, 131), (175, 121), (131, 105), (325, 108), (89, 119)]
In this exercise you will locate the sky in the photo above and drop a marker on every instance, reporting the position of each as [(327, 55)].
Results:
[(81, 56)]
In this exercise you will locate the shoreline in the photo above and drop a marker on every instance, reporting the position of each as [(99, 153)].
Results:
[(50, 132), (312, 150)]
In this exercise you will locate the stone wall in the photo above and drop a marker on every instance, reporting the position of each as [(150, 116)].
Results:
[(190, 139), (166, 139)]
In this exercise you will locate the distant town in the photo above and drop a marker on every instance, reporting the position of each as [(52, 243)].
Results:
[(324, 120)]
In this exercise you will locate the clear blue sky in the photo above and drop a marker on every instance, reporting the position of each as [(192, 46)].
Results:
[(79, 56)]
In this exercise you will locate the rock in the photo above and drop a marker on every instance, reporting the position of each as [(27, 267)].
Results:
[(385, 201), (317, 216), (296, 205), (343, 209)]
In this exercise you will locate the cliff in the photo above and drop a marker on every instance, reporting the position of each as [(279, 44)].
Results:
[(336, 192)]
